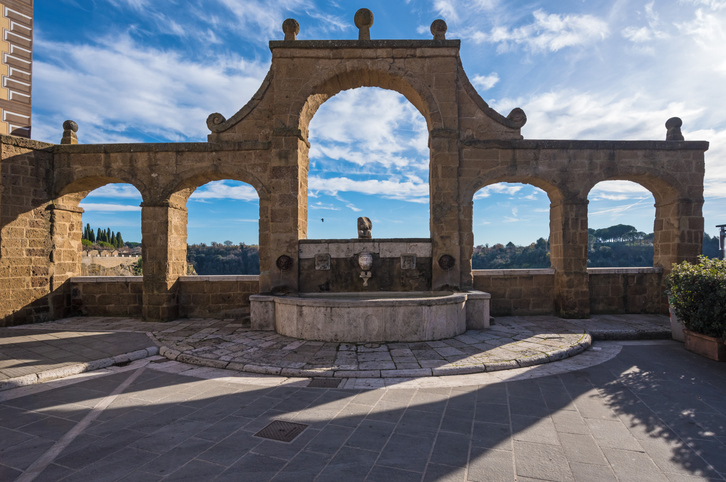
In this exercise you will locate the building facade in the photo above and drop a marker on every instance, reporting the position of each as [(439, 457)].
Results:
[(16, 67)]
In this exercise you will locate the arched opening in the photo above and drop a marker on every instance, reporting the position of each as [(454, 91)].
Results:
[(511, 227), (110, 234), (620, 225), (369, 157), (223, 229)]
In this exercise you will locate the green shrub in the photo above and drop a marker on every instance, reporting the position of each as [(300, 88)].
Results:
[(86, 242), (104, 244), (697, 292)]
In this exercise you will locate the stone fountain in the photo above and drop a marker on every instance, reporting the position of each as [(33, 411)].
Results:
[(368, 290)]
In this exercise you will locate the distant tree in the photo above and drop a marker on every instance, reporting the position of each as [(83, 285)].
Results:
[(99, 238), (228, 243), (120, 240)]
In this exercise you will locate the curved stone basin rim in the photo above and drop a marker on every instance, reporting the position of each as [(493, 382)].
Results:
[(372, 316)]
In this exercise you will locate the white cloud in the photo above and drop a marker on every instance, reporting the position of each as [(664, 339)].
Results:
[(323, 206), (647, 33), (485, 82), (220, 190), (391, 188), (125, 191), (117, 89), (103, 207), (499, 188), (548, 32), (135, 4)]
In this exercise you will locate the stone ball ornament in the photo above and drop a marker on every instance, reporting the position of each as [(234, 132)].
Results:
[(291, 28), (70, 125), (363, 18), (673, 126), (438, 29)]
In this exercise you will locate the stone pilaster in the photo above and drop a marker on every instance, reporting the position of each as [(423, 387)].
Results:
[(286, 210), (444, 191), (66, 233), (678, 232), (568, 255), (164, 238)]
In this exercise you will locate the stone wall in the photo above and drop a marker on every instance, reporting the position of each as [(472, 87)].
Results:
[(26, 221), (517, 291), (106, 295), (199, 296), (216, 296), (627, 290), (332, 265), (265, 144)]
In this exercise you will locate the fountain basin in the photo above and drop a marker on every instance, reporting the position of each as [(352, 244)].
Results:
[(371, 317)]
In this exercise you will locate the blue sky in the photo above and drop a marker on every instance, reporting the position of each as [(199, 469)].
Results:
[(153, 70)]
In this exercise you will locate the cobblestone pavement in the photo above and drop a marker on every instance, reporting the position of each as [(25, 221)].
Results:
[(642, 411), (513, 342)]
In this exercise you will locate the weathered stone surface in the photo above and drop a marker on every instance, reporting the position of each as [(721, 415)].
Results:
[(266, 145)]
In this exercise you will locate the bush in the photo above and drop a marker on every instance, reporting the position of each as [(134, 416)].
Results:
[(697, 292), (86, 242)]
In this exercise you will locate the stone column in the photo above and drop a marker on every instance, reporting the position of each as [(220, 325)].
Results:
[(568, 255), (163, 250), (678, 232), (466, 236), (286, 211), (66, 247), (444, 191)]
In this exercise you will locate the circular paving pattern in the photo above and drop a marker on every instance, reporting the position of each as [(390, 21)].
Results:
[(501, 347)]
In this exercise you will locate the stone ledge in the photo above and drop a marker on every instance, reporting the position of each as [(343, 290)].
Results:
[(634, 270), (585, 145), (107, 279), (513, 272), (363, 44), (9, 140), (162, 147), (213, 278)]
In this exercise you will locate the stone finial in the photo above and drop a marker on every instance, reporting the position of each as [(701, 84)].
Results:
[(438, 29), (69, 132), (364, 21), (674, 129), (291, 29), (364, 228)]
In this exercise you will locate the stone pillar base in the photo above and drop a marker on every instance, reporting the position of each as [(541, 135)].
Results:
[(262, 312), (477, 310)]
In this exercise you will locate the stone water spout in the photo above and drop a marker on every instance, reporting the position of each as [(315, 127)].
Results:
[(365, 261)]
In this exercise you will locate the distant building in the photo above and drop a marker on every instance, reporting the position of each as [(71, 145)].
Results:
[(16, 66)]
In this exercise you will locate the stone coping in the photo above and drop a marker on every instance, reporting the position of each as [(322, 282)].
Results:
[(634, 270), (586, 145), (551, 271), (107, 279), (513, 272), (213, 278), (364, 44), (369, 240)]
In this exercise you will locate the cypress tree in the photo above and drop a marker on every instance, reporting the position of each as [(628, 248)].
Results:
[(91, 235), (108, 235), (98, 236), (120, 240)]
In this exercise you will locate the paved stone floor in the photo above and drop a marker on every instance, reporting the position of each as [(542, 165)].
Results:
[(628, 411), (512, 342), (30, 350)]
